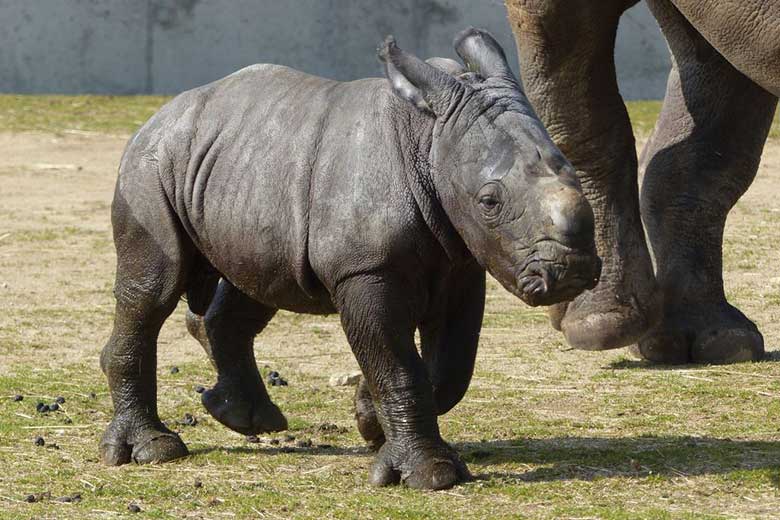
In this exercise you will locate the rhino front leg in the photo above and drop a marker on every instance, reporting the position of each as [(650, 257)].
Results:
[(701, 158), (377, 318), (566, 52), (239, 400), (449, 342), (449, 349)]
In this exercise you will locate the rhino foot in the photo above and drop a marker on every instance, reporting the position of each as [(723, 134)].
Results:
[(717, 333), (434, 467), (242, 412), (125, 441), (607, 318)]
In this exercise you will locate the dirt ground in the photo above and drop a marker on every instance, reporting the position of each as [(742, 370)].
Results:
[(554, 433), (55, 248)]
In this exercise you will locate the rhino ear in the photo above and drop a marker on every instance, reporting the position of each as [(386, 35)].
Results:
[(451, 67), (481, 53), (428, 88)]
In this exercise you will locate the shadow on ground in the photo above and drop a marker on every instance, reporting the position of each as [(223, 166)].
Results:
[(584, 458), (771, 356)]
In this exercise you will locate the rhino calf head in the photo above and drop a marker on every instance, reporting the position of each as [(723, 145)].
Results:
[(509, 192)]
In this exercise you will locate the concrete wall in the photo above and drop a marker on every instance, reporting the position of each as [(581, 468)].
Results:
[(166, 46)]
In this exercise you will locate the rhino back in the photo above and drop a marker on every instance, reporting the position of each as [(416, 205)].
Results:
[(286, 182)]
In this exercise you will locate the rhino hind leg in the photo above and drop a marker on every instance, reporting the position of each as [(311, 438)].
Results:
[(201, 289), (153, 258), (239, 400), (365, 415), (702, 157), (196, 326)]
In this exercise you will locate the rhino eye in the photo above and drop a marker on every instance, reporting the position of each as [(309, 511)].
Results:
[(489, 202)]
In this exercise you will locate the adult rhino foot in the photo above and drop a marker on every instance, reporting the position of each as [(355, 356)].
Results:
[(717, 333), (605, 318), (243, 413), (126, 441), (433, 467), (367, 420)]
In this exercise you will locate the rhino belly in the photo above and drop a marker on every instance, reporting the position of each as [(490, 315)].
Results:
[(269, 269)]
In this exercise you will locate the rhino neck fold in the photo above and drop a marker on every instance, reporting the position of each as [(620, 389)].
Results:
[(420, 181)]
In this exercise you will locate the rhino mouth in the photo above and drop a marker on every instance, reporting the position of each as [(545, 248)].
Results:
[(559, 277)]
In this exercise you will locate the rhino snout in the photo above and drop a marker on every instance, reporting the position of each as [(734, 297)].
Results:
[(547, 282), (571, 217)]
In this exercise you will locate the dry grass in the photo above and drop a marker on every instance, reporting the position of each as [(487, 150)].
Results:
[(549, 432)]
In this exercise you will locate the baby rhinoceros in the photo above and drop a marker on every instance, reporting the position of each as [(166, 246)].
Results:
[(383, 201)]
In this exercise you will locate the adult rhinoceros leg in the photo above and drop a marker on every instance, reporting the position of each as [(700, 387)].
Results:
[(449, 348), (701, 158), (239, 400), (380, 328), (566, 52)]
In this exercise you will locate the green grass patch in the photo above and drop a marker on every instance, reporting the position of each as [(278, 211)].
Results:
[(558, 471), (106, 114), (125, 114), (644, 114)]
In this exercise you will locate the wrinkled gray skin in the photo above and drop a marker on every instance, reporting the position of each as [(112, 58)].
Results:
[(702, 156), (382, 201)]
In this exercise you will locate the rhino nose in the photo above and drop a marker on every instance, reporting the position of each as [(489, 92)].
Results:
[(571, 216)]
